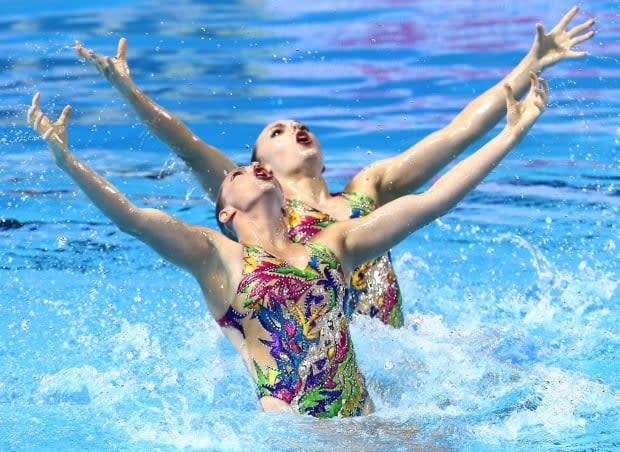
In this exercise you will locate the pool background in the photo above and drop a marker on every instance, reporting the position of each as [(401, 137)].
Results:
[(511, 300)]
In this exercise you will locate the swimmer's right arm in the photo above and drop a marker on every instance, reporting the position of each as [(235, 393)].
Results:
[(199, 250), (208, 163), (361, 239), (406, 172)]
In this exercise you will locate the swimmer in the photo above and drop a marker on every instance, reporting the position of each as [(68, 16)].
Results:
[(295, 156), (281, 303)]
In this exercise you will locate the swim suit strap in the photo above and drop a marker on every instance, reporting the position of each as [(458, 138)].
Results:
[(361, 204)]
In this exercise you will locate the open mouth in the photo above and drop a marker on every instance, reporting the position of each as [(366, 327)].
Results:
[(262, 173), (303, 137)]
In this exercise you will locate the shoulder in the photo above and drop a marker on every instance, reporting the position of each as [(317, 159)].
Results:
[(357, 189), (220, 271), (224, 249), (329, 242)]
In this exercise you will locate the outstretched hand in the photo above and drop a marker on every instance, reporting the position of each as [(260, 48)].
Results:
[(521, 115), (115, 69), (55, 133), (548, 49)]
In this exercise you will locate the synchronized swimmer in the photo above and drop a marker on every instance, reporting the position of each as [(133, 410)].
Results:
[(295, 156), (276, 277), (281, 303)]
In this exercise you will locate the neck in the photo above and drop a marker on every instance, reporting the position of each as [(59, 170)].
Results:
[(267, 231), (310, 189)]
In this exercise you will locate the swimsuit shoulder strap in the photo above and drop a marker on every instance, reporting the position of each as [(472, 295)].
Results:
[(361, 204), (322, 254)]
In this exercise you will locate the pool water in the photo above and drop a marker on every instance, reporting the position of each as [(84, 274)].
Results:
[(511, 300)]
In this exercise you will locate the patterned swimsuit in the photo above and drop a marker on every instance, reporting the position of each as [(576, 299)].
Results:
[(374, 290), (311, 362)]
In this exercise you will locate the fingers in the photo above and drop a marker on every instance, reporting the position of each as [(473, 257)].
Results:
[(122, 49), (536, 93), (539, 91), (38, 117), (35, 115), (568, 17), (542, 93), (583, 27), (536, 82), (88, 54), (33, 108), (511, 101), (62, 119), (40, 122), (545, 86), (574, 54), (47, 133), (81, 51), (582, 38), (540, 32), (533, 81)]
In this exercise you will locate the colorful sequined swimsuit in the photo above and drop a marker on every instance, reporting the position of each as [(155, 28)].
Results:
[(305, 331), (374, 290)]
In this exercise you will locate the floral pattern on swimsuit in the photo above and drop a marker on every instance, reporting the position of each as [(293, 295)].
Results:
[(374, 289), (308, 334)]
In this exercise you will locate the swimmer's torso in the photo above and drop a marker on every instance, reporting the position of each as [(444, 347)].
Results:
[(374, 289), (295, 334)]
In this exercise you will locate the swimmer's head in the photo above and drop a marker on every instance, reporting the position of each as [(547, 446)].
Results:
[(289, 147), (242, 189)]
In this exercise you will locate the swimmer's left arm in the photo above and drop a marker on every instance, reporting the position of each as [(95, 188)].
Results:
[(393, 177)]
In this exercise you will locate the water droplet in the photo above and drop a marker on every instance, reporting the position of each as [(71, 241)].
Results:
[(61, 241)]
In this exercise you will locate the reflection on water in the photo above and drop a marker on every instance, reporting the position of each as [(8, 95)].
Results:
[(511, 300)]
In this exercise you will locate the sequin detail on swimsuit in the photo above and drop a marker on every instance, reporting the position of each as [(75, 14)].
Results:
[(307, 332), (374, 289)]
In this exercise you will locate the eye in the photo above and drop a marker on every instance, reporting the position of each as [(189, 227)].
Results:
[(235, 174), (275, 132)]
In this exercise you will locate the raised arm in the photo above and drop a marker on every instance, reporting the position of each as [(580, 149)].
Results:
[(388, 179), (364, 238), (208, 164), (193, 248)]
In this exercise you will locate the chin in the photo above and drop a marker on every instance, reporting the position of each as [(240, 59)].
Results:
[(314, 160), (269, 185), (309, 151), (312, 157)]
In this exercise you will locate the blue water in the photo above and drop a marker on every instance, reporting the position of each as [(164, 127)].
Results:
[(511, 300)]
